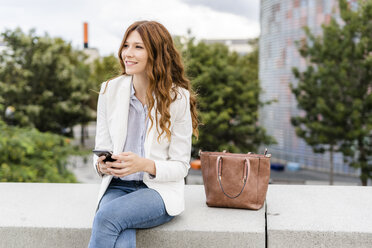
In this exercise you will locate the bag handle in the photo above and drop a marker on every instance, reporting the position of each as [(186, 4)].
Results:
[(247, 168)]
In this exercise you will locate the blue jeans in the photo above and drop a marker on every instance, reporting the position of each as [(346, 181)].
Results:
[(126, 206)]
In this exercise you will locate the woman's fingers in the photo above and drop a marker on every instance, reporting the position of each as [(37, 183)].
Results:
[(123, 156), (115, 164), (121, 167), (118, 172), (100, 159), (102, 165)]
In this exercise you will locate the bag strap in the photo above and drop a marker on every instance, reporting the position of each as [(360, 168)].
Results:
[(247, 168)]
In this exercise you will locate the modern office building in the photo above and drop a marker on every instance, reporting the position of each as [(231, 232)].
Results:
[(282, 23)]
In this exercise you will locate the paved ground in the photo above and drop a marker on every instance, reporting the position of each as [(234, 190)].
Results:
[(306, 176), (303, 176), (82, 166), (83, 170)]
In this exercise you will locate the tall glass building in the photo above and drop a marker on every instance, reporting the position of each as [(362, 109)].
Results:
[(281, 26)]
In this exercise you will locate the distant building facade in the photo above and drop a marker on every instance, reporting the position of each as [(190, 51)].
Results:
[(92, 54), (281, 26), (241, 46)]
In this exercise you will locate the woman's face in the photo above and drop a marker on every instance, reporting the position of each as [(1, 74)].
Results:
[(134, 54)]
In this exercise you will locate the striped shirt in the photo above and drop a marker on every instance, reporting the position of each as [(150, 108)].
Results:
[(136, 134)]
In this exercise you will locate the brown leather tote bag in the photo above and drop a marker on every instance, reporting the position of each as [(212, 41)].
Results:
[(235, 180)]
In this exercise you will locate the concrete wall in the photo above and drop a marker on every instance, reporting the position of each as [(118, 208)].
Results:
[(61, 215), (319, 216)]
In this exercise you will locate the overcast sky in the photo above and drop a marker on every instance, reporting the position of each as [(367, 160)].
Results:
[(108, 19)]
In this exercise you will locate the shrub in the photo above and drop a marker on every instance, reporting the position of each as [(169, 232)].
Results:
[(27, 155)]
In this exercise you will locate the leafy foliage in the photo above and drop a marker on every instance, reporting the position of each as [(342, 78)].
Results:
[(102, 69), (228, 90), (45, 80), (105, 68), (27, 155), (334, 91)]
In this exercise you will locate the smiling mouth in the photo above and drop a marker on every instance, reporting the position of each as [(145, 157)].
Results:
[(130, 63)]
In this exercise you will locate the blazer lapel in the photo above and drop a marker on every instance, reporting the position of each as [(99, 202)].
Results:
[(150, 134), (120, 118)]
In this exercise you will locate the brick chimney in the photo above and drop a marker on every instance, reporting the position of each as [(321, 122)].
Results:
[(85, 35)]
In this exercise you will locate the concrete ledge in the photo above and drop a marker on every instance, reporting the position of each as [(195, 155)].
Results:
[(201, 226), (319, 216), (46, 215), (61, 215)]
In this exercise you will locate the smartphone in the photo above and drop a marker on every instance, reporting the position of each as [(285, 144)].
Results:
[(107, 154)]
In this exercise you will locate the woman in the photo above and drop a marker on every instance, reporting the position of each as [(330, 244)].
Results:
[(146, 116)]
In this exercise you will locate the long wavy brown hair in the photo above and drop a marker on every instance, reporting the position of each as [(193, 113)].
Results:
[(165, 72)]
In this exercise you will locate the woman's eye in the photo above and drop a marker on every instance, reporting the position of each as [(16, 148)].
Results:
[(139, 47), (125, 45)]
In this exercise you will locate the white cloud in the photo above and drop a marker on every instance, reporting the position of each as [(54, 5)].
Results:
[(108, 19), (245, 8)]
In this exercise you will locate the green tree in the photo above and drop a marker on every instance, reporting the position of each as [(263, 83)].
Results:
[(105, 68), (45, 80), (27, 155), (228, 97), (334, 91), (102, 69)]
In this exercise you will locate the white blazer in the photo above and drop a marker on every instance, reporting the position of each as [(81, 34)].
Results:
[(171, 158)]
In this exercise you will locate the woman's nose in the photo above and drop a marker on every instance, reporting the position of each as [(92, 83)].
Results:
[(128, 52)]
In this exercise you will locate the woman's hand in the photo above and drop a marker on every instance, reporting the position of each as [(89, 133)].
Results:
[(102, 165), (128, 163)]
